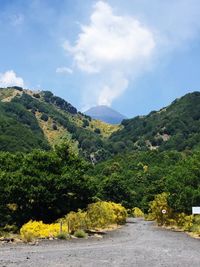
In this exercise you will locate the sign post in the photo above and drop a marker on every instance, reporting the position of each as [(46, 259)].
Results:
[(164, 211)]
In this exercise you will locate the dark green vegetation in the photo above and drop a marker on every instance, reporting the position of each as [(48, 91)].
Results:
[(42, 185), (174, 127), (22, 119), (46, 185), (150, 155)]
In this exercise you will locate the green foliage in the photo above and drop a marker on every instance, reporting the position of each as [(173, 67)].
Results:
[(85, 123), (80, 234), (159, 204), (44, 117), (174, 127), (42, 186), (195, 227), (97, 130), (19, 129), (62, 236), (21, 126), (133, 179), (45, 185)]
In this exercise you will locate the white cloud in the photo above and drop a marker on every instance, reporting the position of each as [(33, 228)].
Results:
[(110, 47), (9, 78), (64, 70), (108, 93)]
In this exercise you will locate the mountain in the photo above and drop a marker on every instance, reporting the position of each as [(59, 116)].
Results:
[(176, 127), (105, 114), (39, 120), (31, 120)]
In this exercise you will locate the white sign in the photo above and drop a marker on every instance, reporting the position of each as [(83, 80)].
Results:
[(195, 210), (164, 211)]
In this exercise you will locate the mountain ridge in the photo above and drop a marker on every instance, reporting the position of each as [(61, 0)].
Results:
[(40, 120)]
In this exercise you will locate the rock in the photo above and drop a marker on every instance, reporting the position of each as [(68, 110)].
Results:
[(98, 236)]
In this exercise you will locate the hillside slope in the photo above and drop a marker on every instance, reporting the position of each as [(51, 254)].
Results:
[(174, 127), (31, 120)]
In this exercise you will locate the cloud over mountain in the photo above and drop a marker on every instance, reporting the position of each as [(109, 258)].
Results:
[(10, 78), (109, 47)]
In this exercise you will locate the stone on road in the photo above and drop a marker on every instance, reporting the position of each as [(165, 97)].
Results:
[(138, 243)]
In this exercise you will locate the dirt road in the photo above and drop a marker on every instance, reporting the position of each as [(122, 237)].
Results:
[(138, 243)]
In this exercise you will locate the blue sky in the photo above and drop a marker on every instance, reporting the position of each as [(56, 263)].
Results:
[(134, 55)]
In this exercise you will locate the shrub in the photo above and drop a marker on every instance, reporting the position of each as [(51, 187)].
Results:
[(54, 127), (76, 221), (160, 203), (98, 215), (137, 212), (44, 117), (62, 236), (120, 213), (184, 221), (34, 229), (97, 131), (196, 224), (80, 234), (85, 123), (102, 214)]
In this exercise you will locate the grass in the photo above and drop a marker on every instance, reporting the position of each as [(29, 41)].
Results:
[(62, 236), (80, 234)]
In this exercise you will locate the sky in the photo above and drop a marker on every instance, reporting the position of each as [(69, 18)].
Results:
[(134, 56)]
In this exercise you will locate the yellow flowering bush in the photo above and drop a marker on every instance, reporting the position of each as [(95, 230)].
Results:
[(34, 229), (120, 213), (102, 214), (184, 221), (76, 220), (159, 204), (98, 215), (137, 212)]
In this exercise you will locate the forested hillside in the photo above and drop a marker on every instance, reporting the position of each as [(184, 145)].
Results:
[(40, 120), (174, 127), (31, 120)]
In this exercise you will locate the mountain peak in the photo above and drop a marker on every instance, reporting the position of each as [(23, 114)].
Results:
[(105, 114)]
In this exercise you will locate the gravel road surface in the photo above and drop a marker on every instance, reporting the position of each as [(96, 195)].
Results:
[(138, 243)]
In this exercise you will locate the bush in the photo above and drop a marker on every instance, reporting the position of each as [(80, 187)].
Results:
[(44, 117), (34, 229), (120, 213), (195, 225), (62, 236), (97, 131), (102, 214), (85, 123), (160, 203), (76, 221), (80, 234), (98, 215), (137, 212), (184, 221)]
